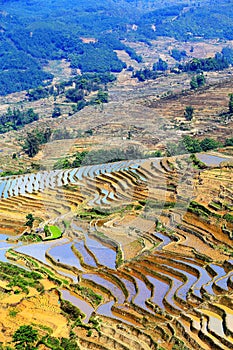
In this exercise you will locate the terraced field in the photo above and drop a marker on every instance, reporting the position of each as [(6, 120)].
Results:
[(152, 238)]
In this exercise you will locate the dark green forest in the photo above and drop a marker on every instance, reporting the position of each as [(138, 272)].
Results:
[(33, 32)]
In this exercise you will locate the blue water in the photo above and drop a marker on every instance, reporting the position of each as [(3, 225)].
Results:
[(86, 308), (88, 259), (161, 289), (103, 254), (65, 255), (116, 291)]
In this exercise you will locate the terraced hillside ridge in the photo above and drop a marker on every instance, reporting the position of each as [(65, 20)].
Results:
[(146, 251)]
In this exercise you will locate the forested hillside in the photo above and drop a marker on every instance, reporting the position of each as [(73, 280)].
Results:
[(33, 32)]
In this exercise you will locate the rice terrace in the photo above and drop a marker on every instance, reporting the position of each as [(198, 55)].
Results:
[(116, 181)]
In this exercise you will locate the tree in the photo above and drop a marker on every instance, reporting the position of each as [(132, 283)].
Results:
[(191, 145), (102, 96), (188, 113), (197, 81), (200, 80), (208, 144), (25, 337), (35, 139), (31, 145), (178, 55), (56, 112), (30, 220), (193, 83), (160, 65), (231, 103)]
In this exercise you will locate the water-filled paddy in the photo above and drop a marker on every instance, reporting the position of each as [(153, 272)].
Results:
[(209, 159), (130, 288), (165, 240), (204, 278), (215, 323), (86, 308), (161, 289), (87, 258), (143, 294), (183, 290), (37, 250), (104, 255), (222, 282), (105, 309), (116, 291), (64, 254)]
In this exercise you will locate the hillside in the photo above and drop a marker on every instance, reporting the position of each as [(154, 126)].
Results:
[(87, 34), (116, 183)]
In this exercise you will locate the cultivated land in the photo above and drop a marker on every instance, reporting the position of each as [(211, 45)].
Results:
[(147, 244)]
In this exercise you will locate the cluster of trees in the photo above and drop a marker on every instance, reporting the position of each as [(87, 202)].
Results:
[(231, 104), (76, 90), (145, 74), (189, 144), (34, 34), (19, 71), (34, 139), (39, 92), (188, 113), (100, 56), (77, 96), (16, 119), (99, 157), (218, 62), (27, 337), (161, 65), (66, 163), (197, 81), (97, 58), (178, 55), (197, 65), (200, 20)]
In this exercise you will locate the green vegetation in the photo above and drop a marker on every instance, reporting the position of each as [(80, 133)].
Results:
[(178, 55), (88, 293), (28, 338), (119, 256), (16, 119), (11, 172), (161, 65), (52, 232), (228, 217), (231, 104), (65, 163), (201, 210), (188, 113), (30, 220), (145, 74), (99, 157), (197, 162), (13, 312), (70, 310), (198, 65), (18, 277), (34, 139), (25, 337), (189, 144), (59, 344), (35, 32), (205, 20), (30, 237), (197, 81)]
